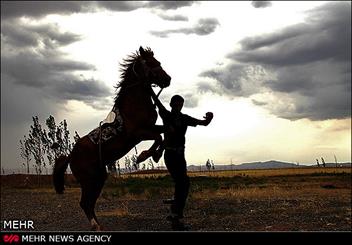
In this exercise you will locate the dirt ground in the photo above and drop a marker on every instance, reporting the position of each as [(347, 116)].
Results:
[(279, 208)]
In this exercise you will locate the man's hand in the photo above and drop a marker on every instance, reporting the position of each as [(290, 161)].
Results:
[(208, 117)]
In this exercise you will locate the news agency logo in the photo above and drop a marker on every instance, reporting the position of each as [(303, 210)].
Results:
[(17, 225), (11, 238)]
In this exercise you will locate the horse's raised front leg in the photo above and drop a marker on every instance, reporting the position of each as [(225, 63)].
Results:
[(153, 134)]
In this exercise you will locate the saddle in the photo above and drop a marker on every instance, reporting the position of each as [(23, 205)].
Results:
[(109, 128)]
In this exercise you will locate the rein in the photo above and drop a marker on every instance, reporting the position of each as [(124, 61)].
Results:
[(138, 77), (161, 89)]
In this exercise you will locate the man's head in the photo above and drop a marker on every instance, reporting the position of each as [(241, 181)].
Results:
[(176, 103)]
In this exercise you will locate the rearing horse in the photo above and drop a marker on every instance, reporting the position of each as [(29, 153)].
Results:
[(88, 160)]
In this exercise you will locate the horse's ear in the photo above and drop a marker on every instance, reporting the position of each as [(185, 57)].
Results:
[(142, 51)]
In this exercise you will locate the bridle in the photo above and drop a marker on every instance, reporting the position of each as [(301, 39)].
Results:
[(146, 70)]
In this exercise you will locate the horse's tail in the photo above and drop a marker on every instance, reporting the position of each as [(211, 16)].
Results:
[(60, 166)]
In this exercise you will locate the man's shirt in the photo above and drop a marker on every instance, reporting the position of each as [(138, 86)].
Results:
[(175, 124)]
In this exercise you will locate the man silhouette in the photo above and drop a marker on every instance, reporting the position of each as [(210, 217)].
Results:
[(175, 127)]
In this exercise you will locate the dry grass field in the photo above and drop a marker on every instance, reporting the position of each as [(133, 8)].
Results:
[(299, 199)]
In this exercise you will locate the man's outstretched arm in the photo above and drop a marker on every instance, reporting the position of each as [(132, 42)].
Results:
[(191, 121), (207, 119)]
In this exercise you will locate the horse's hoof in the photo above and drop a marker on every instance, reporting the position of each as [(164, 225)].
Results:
[(96, 228), (156, 156), (100, 228)]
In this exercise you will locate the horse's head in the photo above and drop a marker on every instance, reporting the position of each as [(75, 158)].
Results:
[(149, 69)]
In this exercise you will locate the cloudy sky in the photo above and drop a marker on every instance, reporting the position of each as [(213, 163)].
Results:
[(276, 75)]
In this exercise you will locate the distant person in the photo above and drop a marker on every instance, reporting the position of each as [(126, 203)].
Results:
[(323, 162), (175, 127)]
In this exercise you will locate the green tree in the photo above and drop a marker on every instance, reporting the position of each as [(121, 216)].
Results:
[(25, 152), (52, 151), (36, 146), (134, 162), (76, 137), (128, 164), (118, 167), (323, 161), (44, 144), (150, 164), (63, 138)]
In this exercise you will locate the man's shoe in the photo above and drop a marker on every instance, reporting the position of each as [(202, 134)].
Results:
[(173, 217), (180, 226)]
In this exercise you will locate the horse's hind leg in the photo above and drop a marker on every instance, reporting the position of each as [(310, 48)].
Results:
[(152, 134), (90, 193)]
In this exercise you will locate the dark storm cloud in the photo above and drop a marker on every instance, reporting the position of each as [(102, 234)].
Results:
[(165, 5), (30, 58), (133, 5), (54, 78), (20, 35), (39, 9), (325, 35), (191, 100), (306, 66), (119, 6), (234, 80), (203, 27), (261, 4), (37, 79), (160, 8), (33, 70), (176, 17), (90, 91), (260, 103), (204, 87)]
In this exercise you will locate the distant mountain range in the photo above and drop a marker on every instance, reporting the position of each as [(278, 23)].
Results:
[(261, 165), (272, 164)]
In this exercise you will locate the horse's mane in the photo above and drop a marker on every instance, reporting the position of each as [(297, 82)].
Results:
[(126, 67)]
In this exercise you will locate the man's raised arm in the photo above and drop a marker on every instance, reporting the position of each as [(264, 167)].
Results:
[(157, 102)]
